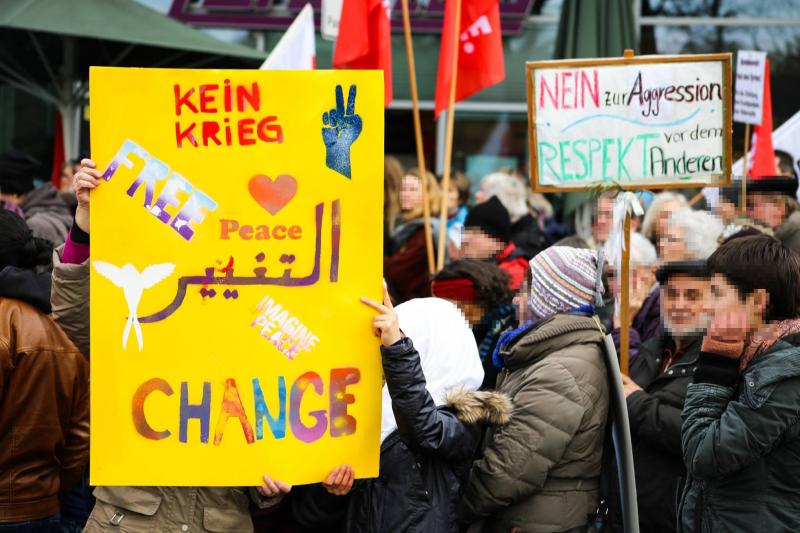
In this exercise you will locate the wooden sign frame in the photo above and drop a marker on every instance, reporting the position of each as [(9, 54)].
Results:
[(727, 97)]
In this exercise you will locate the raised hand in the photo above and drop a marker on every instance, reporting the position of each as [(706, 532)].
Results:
[(86, 178), (385, 325), (341, 127)]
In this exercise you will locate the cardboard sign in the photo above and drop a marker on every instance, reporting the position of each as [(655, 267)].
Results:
[(645, 122), (237, 227), (748, 102)]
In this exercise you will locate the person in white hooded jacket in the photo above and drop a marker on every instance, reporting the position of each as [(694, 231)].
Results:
[(432, 421)]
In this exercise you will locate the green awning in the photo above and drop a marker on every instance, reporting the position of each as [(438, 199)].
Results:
[(595, 28), (123, 21), (47, 47)]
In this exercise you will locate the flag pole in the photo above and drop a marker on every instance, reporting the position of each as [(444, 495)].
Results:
[(743, 199), (448, 147), (412, 79), (625, 282), (625, 313)]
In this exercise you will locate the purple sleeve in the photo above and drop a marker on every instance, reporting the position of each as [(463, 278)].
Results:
[(633, 343), (74, 253)]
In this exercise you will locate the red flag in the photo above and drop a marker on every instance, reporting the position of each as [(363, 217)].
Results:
[(764, 153), (365, 39), (58, 153), (480, 55)]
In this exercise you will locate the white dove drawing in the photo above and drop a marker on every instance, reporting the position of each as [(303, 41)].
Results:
[(133, 283)]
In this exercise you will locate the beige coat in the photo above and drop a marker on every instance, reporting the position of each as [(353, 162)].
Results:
[(540, 472), (145, 509)]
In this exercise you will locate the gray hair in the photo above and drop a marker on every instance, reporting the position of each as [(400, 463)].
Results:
[(643, 253), (700, 231), (510, 191), (654, 211)]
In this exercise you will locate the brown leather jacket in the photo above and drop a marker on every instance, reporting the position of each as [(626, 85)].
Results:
[(44, 412)]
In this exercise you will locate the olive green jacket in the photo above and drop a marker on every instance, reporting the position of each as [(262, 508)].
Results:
[(540, 472)]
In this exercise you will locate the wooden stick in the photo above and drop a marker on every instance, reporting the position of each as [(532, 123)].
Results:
[(624, 314), (696, 198), (743, 199), (412, 79), (448, 146)]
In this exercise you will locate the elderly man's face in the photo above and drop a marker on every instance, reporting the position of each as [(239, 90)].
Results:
[(683, 305)]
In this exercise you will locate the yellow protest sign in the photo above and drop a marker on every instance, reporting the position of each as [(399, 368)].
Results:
[(238, 222)]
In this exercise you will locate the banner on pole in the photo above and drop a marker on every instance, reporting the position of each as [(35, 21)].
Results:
[(641, 123), (239, 223), (748, 101)]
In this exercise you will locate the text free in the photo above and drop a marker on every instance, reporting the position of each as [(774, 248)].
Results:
[(153, 171)]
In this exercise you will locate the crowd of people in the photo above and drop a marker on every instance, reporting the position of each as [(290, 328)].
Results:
[(496, 399)]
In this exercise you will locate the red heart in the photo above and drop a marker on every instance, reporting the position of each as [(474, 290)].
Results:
[(272, 195)]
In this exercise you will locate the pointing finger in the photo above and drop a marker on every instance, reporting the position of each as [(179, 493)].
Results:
[(375, 305), (387, 300)]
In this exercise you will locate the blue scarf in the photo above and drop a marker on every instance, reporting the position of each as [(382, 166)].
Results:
[(512, 335), (492, 324)]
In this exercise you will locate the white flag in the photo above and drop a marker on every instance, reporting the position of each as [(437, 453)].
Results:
[(297, 49)]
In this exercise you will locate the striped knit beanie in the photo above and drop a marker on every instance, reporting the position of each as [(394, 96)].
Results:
[(563, 278)]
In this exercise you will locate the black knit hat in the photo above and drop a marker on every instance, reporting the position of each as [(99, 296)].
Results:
[(16, 172), (786, 185), (696, 269), (18, 247), (492, 218)]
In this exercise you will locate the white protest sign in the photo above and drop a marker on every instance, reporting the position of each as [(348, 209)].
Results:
[(646, 122), (331, 13), (748, 102)]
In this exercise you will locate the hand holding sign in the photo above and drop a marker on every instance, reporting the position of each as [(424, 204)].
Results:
[(340, 481), (273, 487), (86, 179), (385, 325), (341, 128)]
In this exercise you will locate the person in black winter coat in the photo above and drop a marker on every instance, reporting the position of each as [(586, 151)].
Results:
[(432, 423), (656, 391)]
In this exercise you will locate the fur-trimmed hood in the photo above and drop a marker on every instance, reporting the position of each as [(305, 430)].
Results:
[(474, 407)]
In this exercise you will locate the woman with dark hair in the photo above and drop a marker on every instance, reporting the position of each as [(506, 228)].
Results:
[(481, 292), (741, 439), (44, 389)]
